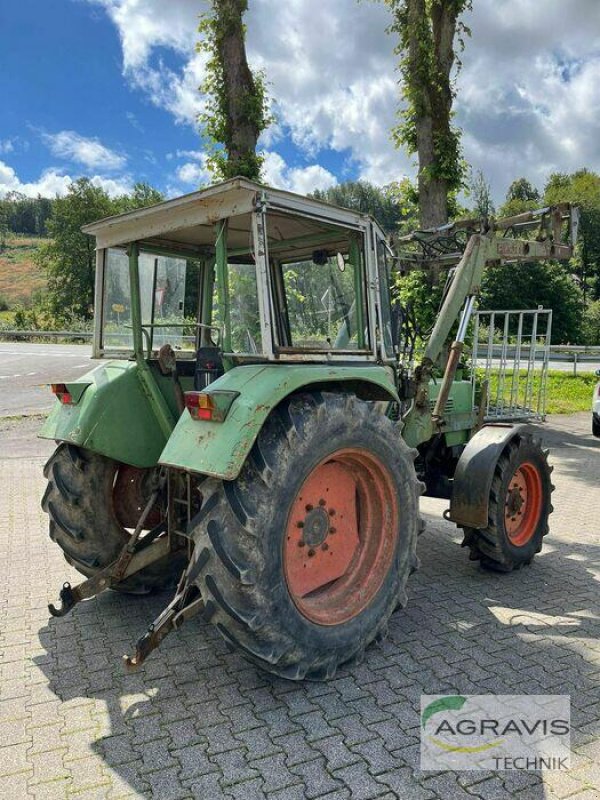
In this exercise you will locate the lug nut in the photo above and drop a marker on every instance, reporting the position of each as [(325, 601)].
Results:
[(309, 507), (331, 530), (300, 524), (331, 512), (301, 543), (321, 502), (325, 546), (311, 553)]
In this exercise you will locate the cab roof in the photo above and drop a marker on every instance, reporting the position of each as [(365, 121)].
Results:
[(187, 223)]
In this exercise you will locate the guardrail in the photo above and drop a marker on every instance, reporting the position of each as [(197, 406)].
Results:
[(18, 335), (570, 354)]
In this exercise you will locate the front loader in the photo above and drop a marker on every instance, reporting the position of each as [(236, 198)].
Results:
[(255, 435)]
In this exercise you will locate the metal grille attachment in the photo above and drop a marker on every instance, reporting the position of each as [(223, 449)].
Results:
[(511, 350)]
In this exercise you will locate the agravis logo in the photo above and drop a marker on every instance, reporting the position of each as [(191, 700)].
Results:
[(495, 732)]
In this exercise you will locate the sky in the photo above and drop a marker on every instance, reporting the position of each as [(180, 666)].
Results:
[(109, 89)]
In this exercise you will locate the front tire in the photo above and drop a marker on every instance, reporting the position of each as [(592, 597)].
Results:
[(519, 508), (91, 501), (302, 559)]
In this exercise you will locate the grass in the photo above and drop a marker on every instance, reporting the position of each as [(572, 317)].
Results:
[(565, 393), (20, 276)]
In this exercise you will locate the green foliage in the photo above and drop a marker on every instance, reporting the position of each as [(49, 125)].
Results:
[(26, 215), (427, 88), (69, 258), (583, 189), (225, 18), (142, 195), (481, 194), (384, 204), (591, 324), (521, 196), (548, 284), (4, 303)]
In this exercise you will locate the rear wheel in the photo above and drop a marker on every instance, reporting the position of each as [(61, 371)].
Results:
[(302, 559), (519, 508), (596, 426), (92, 501)]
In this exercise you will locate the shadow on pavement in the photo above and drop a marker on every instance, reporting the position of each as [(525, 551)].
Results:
[(195, 717)]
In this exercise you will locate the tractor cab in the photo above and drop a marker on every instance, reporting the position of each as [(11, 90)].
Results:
[(259, 275)]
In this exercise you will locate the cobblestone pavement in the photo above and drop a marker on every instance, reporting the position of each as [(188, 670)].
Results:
[(199, 722)]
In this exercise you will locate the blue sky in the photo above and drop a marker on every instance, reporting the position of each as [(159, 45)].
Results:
[(108, 88)]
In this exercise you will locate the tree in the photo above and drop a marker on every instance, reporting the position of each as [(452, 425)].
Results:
[(546, 283), (483, 205), (383, 204), (69, 260), (237, 109), (583, 189), (142, 195), (427, 30), (521, 196)]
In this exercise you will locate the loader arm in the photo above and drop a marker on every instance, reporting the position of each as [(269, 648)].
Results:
[(499, 243)]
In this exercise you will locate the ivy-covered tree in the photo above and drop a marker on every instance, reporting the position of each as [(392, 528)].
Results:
[(431, 33), (237, 108)]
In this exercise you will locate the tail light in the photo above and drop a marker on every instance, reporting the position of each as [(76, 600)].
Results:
[(62, 393), (210, 406)]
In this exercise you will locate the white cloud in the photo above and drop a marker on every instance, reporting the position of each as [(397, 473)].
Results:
[(7, 146), (87, 151), (529, 92), (194, 172), (53, 182), (296, 179)]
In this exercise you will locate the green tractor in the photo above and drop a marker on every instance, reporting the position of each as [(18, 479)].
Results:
[(256, 436)]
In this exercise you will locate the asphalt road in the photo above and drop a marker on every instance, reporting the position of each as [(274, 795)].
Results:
[(26, 370)]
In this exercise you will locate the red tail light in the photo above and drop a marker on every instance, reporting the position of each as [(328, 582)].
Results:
[(211, 406), (62, 393), (201, 406)]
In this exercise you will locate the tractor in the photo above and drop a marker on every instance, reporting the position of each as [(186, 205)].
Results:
[(256, 435)]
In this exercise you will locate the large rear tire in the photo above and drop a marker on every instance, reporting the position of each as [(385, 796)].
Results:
[(91, 501), (519, 508), (302, 559)]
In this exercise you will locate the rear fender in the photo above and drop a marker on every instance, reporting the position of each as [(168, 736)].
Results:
[(220, 449), (112, 415), (469, 505)]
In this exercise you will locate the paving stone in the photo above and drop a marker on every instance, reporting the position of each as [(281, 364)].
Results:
[(200, 722), (316, 779)]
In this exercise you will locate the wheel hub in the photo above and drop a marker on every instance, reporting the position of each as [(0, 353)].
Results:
[(315, 527), (523, 504)]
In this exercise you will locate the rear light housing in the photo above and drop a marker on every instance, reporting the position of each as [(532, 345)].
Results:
[(210, 406), (69, 394), (61, 390)]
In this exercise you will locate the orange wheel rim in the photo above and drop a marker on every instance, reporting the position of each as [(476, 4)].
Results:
[(523, 505), (340, 537)]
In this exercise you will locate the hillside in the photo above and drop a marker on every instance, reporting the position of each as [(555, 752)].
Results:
[(19, 274)]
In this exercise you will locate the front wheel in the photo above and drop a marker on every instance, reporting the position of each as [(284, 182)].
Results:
[(519, 507), (302, 559)]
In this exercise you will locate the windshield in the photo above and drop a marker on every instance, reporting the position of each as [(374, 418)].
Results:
[(169, 289), (321, 303)]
